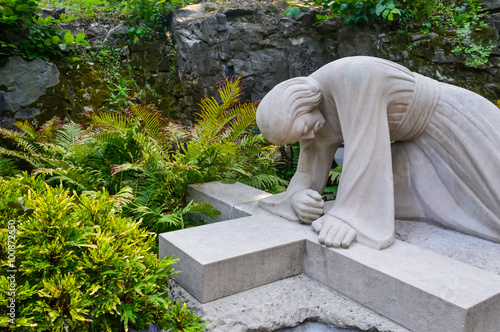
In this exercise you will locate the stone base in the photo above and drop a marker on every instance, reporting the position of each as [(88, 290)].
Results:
[(419, 289)]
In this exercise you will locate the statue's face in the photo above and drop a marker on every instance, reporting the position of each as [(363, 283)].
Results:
[(306, 126)]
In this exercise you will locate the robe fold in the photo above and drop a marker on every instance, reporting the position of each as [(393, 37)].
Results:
[(444, 165)]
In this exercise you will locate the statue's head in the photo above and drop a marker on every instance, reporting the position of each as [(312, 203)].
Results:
[(289, 112)]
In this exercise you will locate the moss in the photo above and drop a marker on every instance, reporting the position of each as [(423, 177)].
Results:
[(56, 101), (89, 91)]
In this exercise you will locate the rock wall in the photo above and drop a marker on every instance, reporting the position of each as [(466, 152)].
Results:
[(247, 38), (28, 87), (259, 43)]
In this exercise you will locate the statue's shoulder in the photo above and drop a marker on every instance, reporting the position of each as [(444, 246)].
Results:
[(360, 65)]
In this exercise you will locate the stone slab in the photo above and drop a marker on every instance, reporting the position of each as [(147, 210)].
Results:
[(418, 289), (225, 258), (234, 200)]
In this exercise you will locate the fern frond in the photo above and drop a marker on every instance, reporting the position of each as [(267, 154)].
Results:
[(244, 117), (78, 178), (43, 171), (114, 138), (264, 181), (151, 150), (70, 134), (335, 174), (176, 135), (115, 169), (230, 92), (251, 140), (111, 120), (174, 219), (201, 207), (214, 116), (16, 136), (211, 123), (27, 128), (34, 160), (152, 121), (48, 130), (7, 167), (123, 197)]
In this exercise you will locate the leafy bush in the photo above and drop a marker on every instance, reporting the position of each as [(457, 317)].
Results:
[(79, 265), (464, 21), (353, 12), (148, 161), (147, 17), (24, 33)]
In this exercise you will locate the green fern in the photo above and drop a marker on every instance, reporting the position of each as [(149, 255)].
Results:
[(75, 178), (71, 134), (8, 167), (201, 207), (217, 119), (27, 128), (113, 121)]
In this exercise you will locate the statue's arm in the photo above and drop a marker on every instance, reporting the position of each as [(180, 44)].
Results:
[(307, 184)]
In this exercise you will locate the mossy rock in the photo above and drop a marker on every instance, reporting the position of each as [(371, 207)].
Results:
[(90, 93)]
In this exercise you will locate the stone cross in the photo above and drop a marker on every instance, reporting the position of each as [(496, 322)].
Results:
[(416, 288)]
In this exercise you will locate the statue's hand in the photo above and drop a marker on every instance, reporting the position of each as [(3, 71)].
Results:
[(308, 205), (333, 232)]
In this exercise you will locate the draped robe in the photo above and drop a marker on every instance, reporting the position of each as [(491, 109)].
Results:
[(444, 164)]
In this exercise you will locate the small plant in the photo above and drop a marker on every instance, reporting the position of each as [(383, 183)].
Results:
[(7, 167), (24, 33), (466, 18), (79, 265), (138, 155), (333, 181), (354, 12)]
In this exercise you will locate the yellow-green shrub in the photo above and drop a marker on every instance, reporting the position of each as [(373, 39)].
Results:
[(79, 265)]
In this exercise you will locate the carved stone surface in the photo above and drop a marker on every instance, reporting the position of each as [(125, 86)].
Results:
[(443, 166), (439, 280)]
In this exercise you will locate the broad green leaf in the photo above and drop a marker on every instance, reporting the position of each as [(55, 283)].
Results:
[(292, 12), (80, 37), (69, 38), (379, 9), (22, 8)]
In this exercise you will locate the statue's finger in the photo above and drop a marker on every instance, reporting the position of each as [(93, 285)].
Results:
[(314, 194), (349, 238), (318, 224), (310, 215), (332, 234), (339, 236), (313, 210), (327, 225)]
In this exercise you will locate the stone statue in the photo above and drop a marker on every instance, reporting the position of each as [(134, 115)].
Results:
[(444, 164)]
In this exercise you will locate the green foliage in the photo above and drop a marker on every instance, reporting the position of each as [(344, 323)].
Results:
[(7, 167), (462, 20), (24, 33), (148, 18), (354, 12), (333, 181), (150, 161), (223, 146), (80, 265)]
